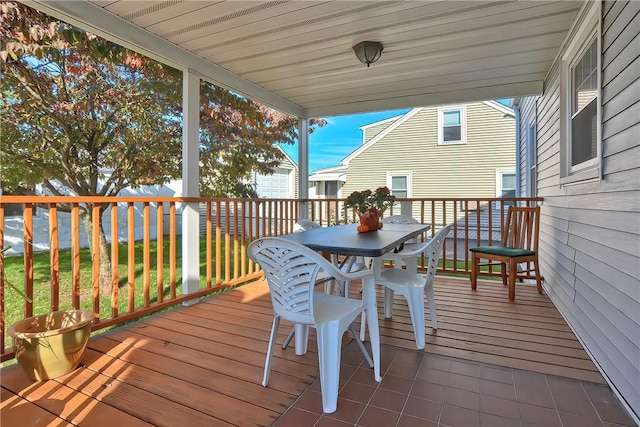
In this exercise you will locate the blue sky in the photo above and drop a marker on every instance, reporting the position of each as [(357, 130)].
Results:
[(340, 137)]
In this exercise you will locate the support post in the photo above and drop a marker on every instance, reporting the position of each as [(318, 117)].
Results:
[(190, 183), (303, 166)]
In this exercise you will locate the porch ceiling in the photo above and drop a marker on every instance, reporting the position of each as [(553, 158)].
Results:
[(297, 56)]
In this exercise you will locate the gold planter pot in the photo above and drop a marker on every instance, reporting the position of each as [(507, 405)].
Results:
[(51, 345)]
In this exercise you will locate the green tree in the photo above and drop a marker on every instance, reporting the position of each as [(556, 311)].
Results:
[(82, 116)]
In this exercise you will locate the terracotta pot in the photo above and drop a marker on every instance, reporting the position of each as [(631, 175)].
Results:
[(51, 345), (371, 219)]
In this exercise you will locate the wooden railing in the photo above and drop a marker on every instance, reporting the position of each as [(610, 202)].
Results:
[(60, 263)]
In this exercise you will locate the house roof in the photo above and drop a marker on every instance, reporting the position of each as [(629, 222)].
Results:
[(297, 56), (288, 158), (380, 122), (342, 177), (333, 173)]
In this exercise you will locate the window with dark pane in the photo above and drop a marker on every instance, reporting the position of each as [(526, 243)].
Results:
[(584, 110), (452, 126), (399, 186)]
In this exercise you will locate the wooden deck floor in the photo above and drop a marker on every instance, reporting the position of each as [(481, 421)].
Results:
[(202, 365)]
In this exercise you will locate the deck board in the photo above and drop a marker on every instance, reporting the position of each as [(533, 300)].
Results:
[(203, 365)]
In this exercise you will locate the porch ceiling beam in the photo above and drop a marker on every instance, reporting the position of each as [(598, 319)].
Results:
[(100, 22), (426, 99)]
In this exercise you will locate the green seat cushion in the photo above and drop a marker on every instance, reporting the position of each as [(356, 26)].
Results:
[(502, 251)]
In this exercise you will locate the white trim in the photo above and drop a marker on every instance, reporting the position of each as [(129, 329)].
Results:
[(586, 33), (380, 122), (531, 158), (322, 177), (381, 135), (500, 107), (330, 169), (190, 184), (303, 161), (462, 108)]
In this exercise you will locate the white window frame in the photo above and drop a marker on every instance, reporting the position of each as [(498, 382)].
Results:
[(463, 124), (499, 175), (531, 160), (406, 174), (588, 31)]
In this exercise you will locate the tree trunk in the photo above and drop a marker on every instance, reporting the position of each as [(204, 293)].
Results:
[(103, 253)]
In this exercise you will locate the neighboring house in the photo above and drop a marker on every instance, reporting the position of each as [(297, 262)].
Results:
[(327, 183), (419, 153), (579, 149), (282, 184)]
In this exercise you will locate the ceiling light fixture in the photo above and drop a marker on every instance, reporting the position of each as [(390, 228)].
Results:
[(368, 52)]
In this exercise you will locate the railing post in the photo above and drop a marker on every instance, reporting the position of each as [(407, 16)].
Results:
[(190, 184)]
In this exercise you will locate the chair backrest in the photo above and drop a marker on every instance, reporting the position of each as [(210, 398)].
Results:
[(523, 224), (304, 225), (399, 219), (291, 270), (434, 250)]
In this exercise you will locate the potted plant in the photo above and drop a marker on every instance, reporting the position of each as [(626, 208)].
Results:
[(49, 345), (370, 205)]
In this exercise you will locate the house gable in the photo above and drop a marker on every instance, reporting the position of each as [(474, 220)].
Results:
[(409, 147)]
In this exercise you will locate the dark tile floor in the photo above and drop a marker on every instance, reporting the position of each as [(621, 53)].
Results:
[(421, 389)]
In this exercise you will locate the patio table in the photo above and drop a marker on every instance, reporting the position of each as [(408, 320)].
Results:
[(345, 240)]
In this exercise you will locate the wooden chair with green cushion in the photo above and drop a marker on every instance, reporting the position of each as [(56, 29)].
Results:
[(519, 244)]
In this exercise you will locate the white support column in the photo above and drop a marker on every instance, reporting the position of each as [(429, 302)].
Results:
[(190, 183), (303, 166)]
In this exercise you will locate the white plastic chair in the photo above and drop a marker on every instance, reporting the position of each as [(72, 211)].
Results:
[(352, 265), (414, 286), (304, 225), (410, 246), (291, 270)]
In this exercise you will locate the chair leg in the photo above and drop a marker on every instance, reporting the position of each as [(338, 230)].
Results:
[(474, 270), (363, 324), (301, 338), (513, 272), (272, 340), (388, 303), (536, 268), (415, 300), (428, 290), (503, 271), (329, 346), (363, 349), (287, 341)]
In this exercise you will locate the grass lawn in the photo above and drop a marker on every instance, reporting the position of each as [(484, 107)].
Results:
[(14, 271)]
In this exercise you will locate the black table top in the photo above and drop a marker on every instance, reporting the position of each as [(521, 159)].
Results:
[(345, 239)]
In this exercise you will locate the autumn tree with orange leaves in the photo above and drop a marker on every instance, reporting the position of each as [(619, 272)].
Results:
[(80, 115)]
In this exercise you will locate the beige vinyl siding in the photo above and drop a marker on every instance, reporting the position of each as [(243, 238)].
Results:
[(465, 170), (371, 132), (590, 232), (288, 165), (296, 178)]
